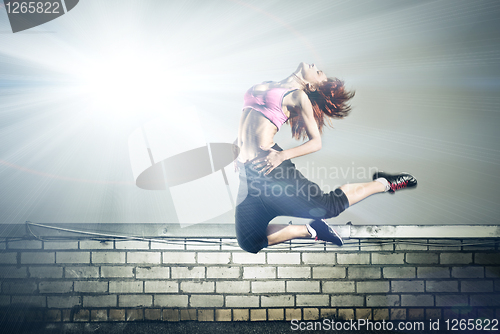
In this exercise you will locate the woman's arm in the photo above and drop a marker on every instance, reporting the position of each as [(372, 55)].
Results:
[(274, 158)]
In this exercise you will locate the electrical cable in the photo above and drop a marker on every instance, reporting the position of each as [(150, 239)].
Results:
[(218, 241)]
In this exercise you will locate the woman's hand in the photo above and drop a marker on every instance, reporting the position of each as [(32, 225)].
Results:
[(270, 161)]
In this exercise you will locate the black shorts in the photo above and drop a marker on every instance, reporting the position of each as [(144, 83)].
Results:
[(284, 192)]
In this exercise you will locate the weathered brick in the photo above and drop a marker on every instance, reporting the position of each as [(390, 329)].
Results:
[(96, 244), (451, 300), (319, 258), (205, 315), (91, 286), (152, 314), (117, 271), (313, 300), (214, 258), (417, 300), (433, 272), (330, 313), (455, 258), (132, 244), (248, 258), (188, 272), (60, 245), (410, 244), (388, 258), (380, 314), (108, 257), (46, 272), (189, 314), (372, 286), (232, 287), (72, 257), (294, 272), (407, 286), (427, 258), (441, 286), (277, 301), (467, 272), (198, 287), (283, 258), (135, 300), (55, 287), (223, 315), (476, 286), (144, 257), (347, 300), (171, 300), (117, 315), (363, 313), (241, 315), (81, 316), (8, 258), (416, 314), (275, 314), (223, 272), (63, 301), (29, 301), (268, 287), (329, 272), (81, 272), (432, 313), (242, 301), (310, 313), (338, 286), (98, 315), (259, 272), (258, 315), (37, 257), (364, 272), (126, 286), (100, 301), (490, 271), (152, 272), (398, 314), (19, 287), (24, 244), (302, 286), (293, 313), (382, 301), (53, 315), (346, 314), (487, 258), (206, 301), (161, 287), (134, 315), (399, 272), (485, 300), (354, 258), (179, 257), (13, 272)]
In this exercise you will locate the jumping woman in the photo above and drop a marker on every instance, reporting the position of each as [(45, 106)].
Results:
[(270, 184)]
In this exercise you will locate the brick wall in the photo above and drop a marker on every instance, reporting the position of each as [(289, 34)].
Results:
[(213, 280)]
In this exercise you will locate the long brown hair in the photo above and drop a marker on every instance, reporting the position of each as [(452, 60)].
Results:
[(329, 100)]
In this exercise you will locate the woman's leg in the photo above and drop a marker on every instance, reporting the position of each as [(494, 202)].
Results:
[(277, 233), (356, 192)]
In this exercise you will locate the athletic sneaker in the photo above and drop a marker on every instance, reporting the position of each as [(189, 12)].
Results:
[(397, 181), (325, 233)]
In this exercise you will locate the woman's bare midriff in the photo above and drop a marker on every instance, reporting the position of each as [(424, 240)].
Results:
[(254, 131)]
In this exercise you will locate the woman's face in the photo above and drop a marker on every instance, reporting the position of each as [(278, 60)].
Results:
[(310, 73)]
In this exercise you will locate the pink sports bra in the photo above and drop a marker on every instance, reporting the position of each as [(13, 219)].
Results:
[(269, 103)]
